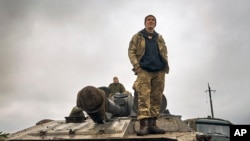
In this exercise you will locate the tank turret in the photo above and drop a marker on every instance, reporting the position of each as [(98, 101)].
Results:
[(96, 104)]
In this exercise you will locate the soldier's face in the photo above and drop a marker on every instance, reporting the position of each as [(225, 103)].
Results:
[(116, 80), (150, 23)]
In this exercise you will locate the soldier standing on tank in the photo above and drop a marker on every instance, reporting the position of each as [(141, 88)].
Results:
[(148, 55)]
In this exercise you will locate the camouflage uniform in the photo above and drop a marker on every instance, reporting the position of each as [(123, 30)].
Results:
[(116, 87), (149, 85)]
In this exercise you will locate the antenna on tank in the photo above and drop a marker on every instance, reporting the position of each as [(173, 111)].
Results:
[(211, 104)]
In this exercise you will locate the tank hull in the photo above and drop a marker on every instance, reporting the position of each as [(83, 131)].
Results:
[(119, 128)]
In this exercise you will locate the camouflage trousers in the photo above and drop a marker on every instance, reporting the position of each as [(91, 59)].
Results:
[(149, 86)]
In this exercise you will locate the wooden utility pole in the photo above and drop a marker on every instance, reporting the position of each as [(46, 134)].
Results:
[(211, 104)]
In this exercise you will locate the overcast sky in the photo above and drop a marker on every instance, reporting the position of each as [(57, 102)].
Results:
[(50, 49)]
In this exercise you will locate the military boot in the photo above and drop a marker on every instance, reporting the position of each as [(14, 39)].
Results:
[(143, 127), (153, 129)]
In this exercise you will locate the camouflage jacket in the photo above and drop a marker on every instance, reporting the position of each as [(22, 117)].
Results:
[(116, 87), (137, 47)]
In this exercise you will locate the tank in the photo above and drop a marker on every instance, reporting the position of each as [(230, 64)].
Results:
[(107, 119), (215, 129)]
